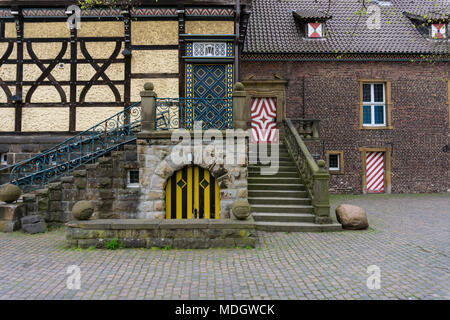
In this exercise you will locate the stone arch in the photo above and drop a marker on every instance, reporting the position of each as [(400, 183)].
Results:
[(166, 168), (197, 189), (156, 167)]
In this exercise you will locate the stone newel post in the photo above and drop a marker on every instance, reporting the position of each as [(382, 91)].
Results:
[(321, 198), (240, 109), (148, 106)]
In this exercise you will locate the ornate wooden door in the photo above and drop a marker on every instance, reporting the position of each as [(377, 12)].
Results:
[(264, 120), (192, 193)]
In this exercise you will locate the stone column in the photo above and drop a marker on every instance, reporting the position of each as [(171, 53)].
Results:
[(321, 196), (241, 112), (148, 107)]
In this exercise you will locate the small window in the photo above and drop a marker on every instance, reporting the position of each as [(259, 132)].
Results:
[(438, 31), (335, 161), (3, 159), (315, 30), (374, 104), (133, 178), (209, 49)]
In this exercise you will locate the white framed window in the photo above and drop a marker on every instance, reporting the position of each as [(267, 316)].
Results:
[(3, 159), (133, 178), (334, 163), (374, 104), (209, 49)]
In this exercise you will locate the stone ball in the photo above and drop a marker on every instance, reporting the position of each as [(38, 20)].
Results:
[(239, 86), (241, 209), (149, 86), (83, 210), (352, 217), (9, 193), (321, 163)]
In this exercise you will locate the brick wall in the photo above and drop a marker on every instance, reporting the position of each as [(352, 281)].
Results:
[(329, 91)]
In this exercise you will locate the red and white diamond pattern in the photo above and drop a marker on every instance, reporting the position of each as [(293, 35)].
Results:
[(375, 172), (264, 115), (438, 31), (314, 30)]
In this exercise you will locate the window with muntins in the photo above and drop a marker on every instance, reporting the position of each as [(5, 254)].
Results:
[(374, 104), (133, 178), (333, 162)]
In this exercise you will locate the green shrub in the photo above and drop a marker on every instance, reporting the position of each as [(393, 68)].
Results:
[(112, 244)]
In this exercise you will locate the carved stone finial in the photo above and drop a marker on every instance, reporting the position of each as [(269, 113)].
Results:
[(148, 86), (321, 164), (238, 86)]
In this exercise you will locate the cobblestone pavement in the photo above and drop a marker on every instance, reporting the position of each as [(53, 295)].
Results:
[(408, 240)]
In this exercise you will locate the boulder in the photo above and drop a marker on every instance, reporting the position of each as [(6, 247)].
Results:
[(241, 209), (83, 210), (352, 217), (10, 193), (31, 219), (33, 224), (39, 227)]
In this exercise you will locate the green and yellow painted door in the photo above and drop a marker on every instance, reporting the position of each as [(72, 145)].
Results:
[(192, 193)]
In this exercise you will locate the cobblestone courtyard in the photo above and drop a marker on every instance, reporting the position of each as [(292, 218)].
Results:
[(408, 240)]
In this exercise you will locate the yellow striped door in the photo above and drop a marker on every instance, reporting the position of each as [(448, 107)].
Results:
[(192, 193)]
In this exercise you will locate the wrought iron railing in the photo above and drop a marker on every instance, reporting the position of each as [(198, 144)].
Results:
[(83, 148), (174, 113)]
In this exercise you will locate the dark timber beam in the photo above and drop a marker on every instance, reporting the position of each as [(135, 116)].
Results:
[(181, 50), (18, 99)]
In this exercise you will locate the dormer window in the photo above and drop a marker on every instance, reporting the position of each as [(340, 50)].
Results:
[(315, 30), (438, 31), (432, 25), (311, 23)]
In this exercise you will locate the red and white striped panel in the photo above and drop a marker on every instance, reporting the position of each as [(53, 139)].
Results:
[(264, 115), (375, 172)]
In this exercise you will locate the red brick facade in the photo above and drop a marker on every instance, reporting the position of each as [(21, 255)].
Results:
[(330, 92)]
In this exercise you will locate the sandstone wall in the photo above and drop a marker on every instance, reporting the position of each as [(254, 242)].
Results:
[(157, 166)]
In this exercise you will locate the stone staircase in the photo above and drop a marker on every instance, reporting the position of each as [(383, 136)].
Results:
[(280, 202)]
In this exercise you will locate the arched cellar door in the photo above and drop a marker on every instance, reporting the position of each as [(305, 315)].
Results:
[(192, 193)]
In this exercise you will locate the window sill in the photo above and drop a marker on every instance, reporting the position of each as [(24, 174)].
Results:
[(376, 127), (133, 186), (335, 172)]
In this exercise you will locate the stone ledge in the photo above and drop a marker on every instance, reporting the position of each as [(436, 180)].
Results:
[(147, 233)]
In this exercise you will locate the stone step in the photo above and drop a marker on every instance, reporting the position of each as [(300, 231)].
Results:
[(273, 173), (296, 226), (273, 180), (276, 159), (277, 187), (268, 155), (283, 217), (282, 208), (281, 163), (278, 193), (279, 201), (257, 169)]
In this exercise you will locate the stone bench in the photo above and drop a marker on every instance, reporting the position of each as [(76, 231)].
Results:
[(148, 233)]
